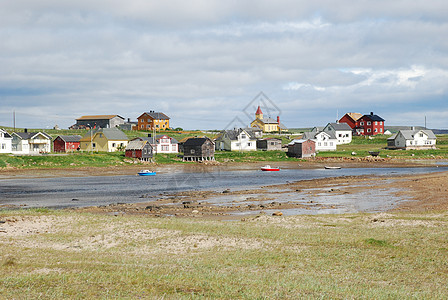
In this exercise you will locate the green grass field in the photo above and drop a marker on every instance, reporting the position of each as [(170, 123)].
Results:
[(67, 255)]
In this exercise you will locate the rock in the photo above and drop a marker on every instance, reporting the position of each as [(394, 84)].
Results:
[(277, 213), (226, 191), (195, 211)]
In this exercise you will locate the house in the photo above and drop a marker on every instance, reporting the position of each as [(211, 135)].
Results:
[(139, 149), (351, 119), (199, 149), (153, 121), (325, 141), (301, 148), (5, 142), (370, 125), (98, 121), (236, 140), (269, 144), (341, 131), (30, 142), (67, 143), (104, 140), (162, 143), (267, 124), (412, 139)]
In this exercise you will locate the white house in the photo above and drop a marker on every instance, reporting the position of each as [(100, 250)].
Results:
[(236, 140), (412, 139), (162, 143), (342, 132), (325, 141), (31, 142), (5, 142)]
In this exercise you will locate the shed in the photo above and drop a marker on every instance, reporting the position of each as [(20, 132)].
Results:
[(302, 148), (269, 144), (199, 149), (139, 149), (66, 143)]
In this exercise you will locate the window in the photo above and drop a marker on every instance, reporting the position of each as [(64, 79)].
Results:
[(381, 129), (369, 130), (243, 136), (3, 146), (362, 124), (369, 123), (113, 144), (319, 143), (157, 126), (192, 151), (376, 130), (165, 148), (421, 134), (93, 145), (249, 144), (376, 122)]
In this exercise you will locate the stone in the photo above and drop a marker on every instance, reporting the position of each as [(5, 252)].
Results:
[(277, 213)]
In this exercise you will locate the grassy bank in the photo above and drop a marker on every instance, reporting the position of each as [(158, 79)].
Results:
[(56, 255)]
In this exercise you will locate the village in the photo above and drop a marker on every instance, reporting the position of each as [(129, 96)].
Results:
[(105, 133)]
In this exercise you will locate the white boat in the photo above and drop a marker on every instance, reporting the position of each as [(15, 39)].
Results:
[(332, 168), (269, 168)]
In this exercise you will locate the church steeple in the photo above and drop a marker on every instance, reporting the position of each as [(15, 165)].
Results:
[(259, 113)]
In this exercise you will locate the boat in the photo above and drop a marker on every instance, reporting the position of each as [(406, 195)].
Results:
[(332, 168), (269, 168), (146, 173)]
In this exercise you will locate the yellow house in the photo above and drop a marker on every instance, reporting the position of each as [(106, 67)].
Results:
[(267, 124), (104, 140)]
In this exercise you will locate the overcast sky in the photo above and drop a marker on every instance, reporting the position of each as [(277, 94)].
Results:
[(202, 62)]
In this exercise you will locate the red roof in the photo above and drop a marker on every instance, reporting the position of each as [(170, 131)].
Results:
[(259, 112)]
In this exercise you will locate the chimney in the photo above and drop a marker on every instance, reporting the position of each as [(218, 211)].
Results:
[(129, 120), (371, 113), (26, 130), (278, 119)]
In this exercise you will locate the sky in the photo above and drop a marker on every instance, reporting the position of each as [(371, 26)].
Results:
[(208, 64)]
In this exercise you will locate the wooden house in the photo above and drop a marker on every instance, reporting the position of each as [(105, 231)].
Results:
[(162, 143), (98, 121), (269, 144), (30, 142), (370, 125), (104, 140), (67, 143), (153, 121), (5, 141), (139, 149), (236, 140), (199, 149), (412, 139), (302, 148), (341, 131), (325, 141)]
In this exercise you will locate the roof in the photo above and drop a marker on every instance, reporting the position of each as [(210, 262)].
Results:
[(136, 145), (233, 134), (156, 115), (354, 116), (113, 134), (5, 133), (71, 138), (312, 135), (374, 117), (258, 112), (158, 137), (99, 117), (299, 141), (29, 135), (196, 141), (340, 126)]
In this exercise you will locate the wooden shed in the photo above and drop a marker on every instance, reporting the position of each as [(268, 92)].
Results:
[(269, 144), (302, 148), (139, 149), (199, 149), (66, 143)]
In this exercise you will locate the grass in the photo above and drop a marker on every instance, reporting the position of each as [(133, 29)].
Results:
[(324, 256)]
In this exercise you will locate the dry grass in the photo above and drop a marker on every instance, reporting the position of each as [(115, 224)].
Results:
[(69, 255)]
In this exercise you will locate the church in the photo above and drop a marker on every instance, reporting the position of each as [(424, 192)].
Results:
[(267, 124)]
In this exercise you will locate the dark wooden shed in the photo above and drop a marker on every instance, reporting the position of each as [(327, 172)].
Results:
[(199, 149), (302, 148), (269, 144)]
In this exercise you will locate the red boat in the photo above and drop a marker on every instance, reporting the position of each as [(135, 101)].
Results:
[(269, 168)]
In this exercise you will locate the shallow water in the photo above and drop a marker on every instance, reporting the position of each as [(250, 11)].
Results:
[(66, 192)]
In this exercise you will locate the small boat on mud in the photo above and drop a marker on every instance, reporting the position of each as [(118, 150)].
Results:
[(332, 168), (146, 173), (269, 168)]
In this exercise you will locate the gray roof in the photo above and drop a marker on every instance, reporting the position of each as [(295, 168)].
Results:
[(233, 134), (312, 135), (70, 138), (158, 137), (114, 134), (157, 115), (29, 135), (340, 126), (136, 145), (409, 134), (5, 133)]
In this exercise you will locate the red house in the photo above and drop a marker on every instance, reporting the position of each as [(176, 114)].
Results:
[(351, 119), (67, 143), (370, 125)]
